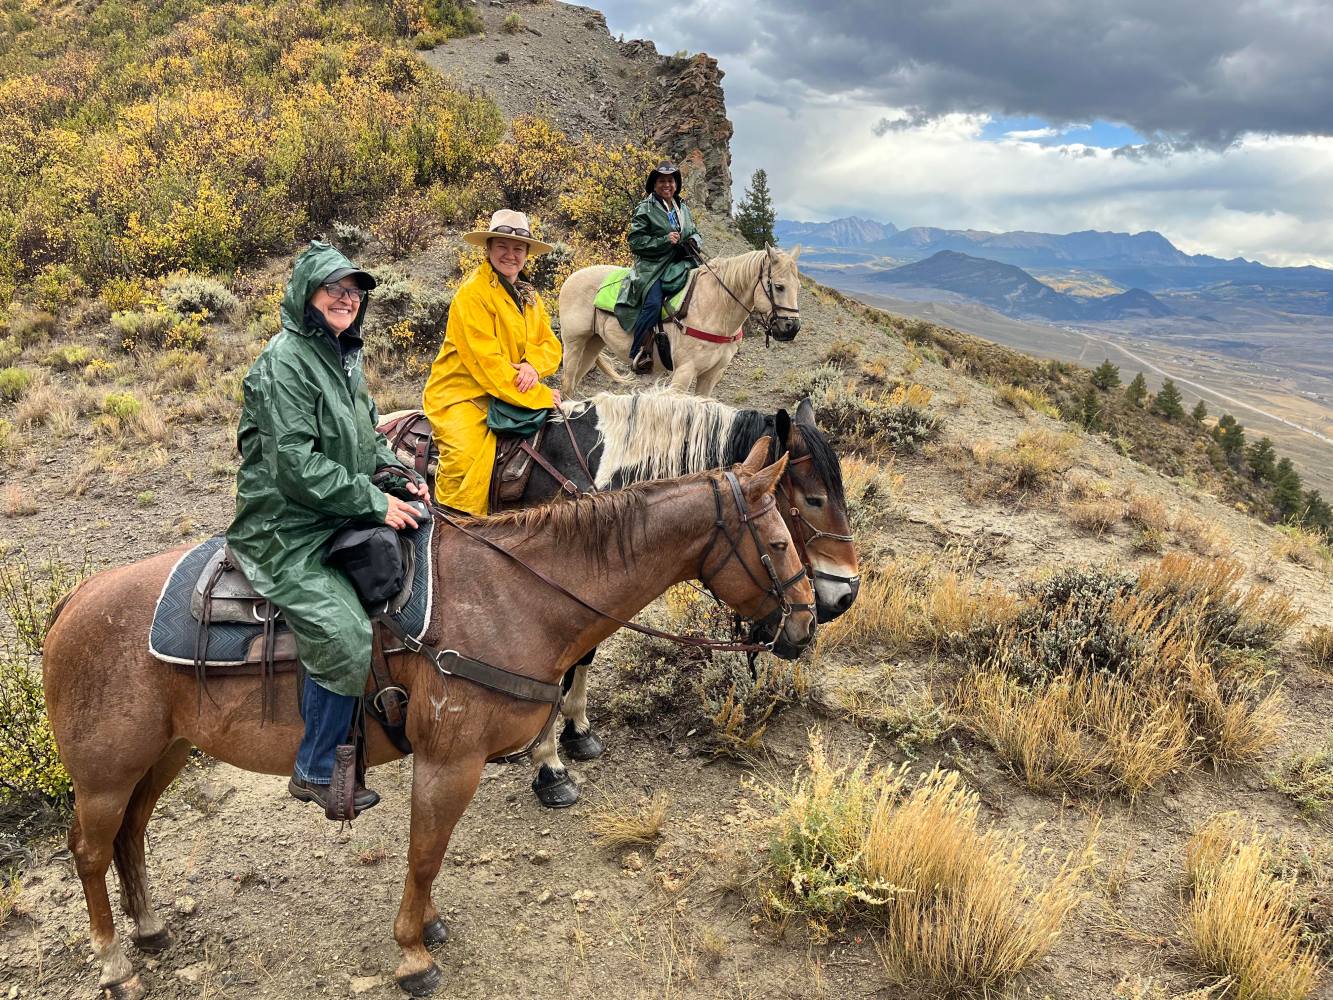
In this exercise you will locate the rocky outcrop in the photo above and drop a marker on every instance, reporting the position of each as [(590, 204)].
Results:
[(694, 128)]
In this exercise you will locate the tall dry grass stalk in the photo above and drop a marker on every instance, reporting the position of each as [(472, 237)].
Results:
[(1104, 678), (957, 905), (617, 825), (1241, 923)]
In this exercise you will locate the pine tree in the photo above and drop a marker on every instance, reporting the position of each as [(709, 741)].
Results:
[(1167, 402), (1090, 409), (1137, 391), (755, 215), (1261, 459), (1287, 495), (1230, 436), (1106, 376), (1199, 412), (1318, 514)]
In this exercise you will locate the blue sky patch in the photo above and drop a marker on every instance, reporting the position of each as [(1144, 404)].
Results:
[(1099, 133)]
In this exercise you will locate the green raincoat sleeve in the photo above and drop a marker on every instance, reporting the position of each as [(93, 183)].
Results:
[(656, 257)]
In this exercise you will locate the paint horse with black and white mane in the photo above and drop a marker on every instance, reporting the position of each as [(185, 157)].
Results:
[(660, 434)]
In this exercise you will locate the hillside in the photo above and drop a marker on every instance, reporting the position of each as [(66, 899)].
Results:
[(1013, 291), (999, 544)]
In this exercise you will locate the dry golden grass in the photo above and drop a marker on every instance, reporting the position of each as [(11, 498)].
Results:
[(1241, 924), (1100, 679), (1140, 988), (1146, 512), (904, 604), (1200, 536), (870, 487), (36, 406), (18, 501), (616, 825), (1318, 645), (1096, 516), (1030, 466), (1022, 399), (956, 906), (1302, 546), (1085, 486)]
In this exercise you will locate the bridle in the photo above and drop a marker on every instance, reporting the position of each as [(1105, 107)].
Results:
[(763, 281), (451, 663), (806, 532)]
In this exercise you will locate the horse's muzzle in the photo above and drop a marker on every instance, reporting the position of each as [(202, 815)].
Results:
[(785, 328), (834, 595), (789, 638)]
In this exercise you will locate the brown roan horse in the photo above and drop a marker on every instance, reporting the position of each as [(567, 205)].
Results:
[(125, 722)]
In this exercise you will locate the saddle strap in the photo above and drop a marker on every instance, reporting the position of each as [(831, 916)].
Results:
[(452, 663), (388, 705), (714, 338), (578, 453)]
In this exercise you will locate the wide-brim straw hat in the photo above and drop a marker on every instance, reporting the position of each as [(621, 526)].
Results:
[(510, 225)]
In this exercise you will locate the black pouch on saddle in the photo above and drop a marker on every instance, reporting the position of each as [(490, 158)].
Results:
[(372, 558)]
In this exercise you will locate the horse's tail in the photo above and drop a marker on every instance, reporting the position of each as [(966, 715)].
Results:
[(609, 370)]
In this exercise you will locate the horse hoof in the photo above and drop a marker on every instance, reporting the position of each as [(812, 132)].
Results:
[(580, 746), (435, 933), (153, 943), (423, 983), (129, 989), (555, 790)]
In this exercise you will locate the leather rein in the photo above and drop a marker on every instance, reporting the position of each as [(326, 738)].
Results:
[(451, 663), (766, 319)]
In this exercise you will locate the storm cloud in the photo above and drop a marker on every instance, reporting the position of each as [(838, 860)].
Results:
[(1215, 115), (1205, 71)]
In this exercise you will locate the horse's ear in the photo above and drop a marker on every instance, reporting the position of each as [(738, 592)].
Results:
[(757, 457), (763, 482), (805, 413), (783, 424), (794, 253)]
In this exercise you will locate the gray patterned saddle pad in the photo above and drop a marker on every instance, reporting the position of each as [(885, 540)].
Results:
[(174, 629)]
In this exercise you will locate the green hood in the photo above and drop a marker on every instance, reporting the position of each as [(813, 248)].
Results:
[(315, 264)]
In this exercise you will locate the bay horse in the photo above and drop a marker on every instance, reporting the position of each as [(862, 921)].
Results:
[(722, 295), (124, 722), (612, 440)]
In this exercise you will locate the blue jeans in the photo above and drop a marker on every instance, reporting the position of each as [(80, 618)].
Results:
[(650, 314), (328, 718)]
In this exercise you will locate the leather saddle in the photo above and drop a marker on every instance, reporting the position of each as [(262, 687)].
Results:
[(409, 435)]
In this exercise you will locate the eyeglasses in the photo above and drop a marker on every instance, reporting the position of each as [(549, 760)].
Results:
[(338, 292), (511, 230)]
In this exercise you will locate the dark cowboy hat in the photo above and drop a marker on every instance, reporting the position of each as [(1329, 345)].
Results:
[(664, 169)]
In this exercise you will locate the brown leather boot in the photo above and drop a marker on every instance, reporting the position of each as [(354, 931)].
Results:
[(309, 791)]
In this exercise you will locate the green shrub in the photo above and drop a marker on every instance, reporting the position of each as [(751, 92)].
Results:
[(123, 294), (9, 351), (68, 357), (198, 295), (30, 765), (29, 328), (158, 326), (123, 406), (56, 286), (14, 383), (512, 25)]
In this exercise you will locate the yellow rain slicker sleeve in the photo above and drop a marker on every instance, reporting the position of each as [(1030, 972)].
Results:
[(485, 338)]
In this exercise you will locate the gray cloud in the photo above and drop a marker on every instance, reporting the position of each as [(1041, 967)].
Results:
[(1203, 71), (914, 119)]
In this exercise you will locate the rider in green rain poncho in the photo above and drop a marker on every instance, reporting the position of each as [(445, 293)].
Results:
[(308, 450)]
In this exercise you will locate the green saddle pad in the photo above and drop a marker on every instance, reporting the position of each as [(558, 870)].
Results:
[(610, 291)]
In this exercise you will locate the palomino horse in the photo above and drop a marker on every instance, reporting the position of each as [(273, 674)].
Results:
[(722, 295), (657, 433), (124, 722)]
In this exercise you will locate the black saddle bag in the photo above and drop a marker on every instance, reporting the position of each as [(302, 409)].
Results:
[(372, 558)]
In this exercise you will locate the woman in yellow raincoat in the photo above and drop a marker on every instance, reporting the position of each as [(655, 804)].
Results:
[(498, 345)]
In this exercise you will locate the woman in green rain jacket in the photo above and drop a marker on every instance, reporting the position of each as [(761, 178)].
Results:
[(666, 247), (308, 449)]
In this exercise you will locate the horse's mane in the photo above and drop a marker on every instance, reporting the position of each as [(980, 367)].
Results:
[(594, 526), (659, 433), (730, 269)]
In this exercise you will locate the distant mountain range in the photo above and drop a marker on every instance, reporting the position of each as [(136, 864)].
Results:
[(1146, 263), (1014, 292)]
